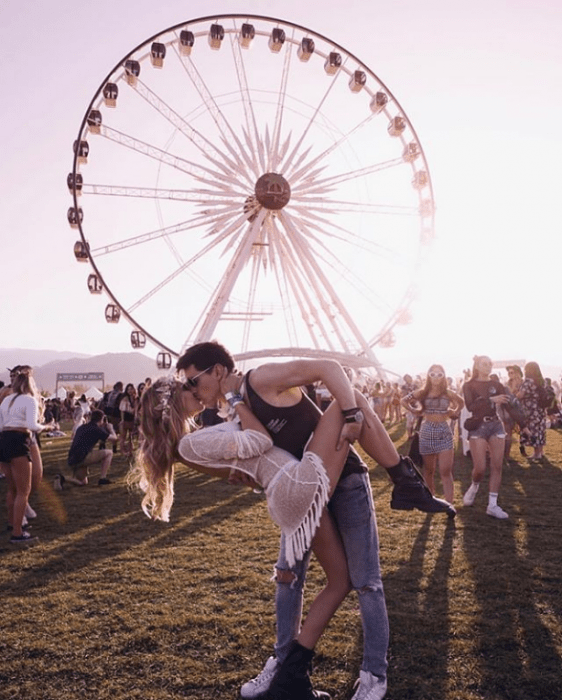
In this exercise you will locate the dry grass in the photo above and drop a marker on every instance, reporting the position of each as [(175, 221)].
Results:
[(111, 605)]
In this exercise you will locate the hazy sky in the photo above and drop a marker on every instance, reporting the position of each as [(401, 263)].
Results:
[(481, 82)]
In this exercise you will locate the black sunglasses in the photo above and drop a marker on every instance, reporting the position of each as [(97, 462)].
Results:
[(191, 382)]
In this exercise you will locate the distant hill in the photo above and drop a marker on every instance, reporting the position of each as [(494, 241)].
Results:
[(126, 367), (20, 356)]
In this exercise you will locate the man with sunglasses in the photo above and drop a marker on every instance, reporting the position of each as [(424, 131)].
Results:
[(273, 392)]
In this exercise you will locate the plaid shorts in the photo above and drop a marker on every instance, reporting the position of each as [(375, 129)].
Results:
[(435, 437)]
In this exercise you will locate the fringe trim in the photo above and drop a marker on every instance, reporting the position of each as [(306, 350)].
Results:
[(298, 542)]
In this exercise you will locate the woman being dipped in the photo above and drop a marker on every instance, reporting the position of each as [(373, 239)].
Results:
[(437, 404), (297, 492), (482, 396)]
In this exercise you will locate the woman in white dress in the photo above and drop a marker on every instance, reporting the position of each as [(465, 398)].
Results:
[(297, 491)]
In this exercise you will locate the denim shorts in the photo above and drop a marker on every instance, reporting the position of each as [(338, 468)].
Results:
[(488, 429)]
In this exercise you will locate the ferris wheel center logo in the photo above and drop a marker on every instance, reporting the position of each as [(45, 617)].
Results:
[(273, 191)]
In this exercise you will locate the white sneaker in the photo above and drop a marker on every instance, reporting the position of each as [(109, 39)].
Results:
[(260, 684), (370, 687), (470, 495), (496, 512), (29, 512)]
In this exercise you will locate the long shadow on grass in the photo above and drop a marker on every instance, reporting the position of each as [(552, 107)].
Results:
[(419, 618), (113, 523), (516, 654)]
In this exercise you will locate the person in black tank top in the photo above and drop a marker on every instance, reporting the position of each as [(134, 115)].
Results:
[(290, 426)]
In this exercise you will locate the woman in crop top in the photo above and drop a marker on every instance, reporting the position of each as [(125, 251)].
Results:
[(297, 490), (437, 404), (482, 396), (19, 418)]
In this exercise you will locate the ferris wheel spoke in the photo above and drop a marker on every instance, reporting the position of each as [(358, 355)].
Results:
[(320, 228), (288, 164), (308, 307), (333, 206), (312, 184), (291, 285), (275, 153), (237, 225), (198, 222), (205, 147), (329, 259), (342, 138), (164, 157), (197, 195), (321, 283), (253, 139), (221, 295), (227, 135)]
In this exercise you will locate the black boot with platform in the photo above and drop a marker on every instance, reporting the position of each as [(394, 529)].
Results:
[(410, 491), (292, 678)]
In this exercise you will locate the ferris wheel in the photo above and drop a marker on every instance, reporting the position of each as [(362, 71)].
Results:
[(246, 179)]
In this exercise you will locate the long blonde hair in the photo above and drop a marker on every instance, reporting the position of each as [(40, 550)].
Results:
[(162, 425), (22, 384)]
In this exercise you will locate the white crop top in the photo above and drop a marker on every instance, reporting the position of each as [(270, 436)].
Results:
[(20, 411)]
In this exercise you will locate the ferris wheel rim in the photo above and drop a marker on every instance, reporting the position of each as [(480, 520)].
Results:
[(217, 18)]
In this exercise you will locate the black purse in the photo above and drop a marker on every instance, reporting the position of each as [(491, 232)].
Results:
[(472, 423)]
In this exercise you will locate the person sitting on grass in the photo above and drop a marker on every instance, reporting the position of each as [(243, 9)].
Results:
[(82, 455)]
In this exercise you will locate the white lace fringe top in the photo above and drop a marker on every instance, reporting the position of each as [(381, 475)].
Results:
[(296, 491)]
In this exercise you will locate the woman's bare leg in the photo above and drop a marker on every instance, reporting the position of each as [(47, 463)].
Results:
[(374, 439), (429, 462), (445, 462), (324, 440), (328, 548), (36, 466), (497, 446), (478, 449), (20, 468)]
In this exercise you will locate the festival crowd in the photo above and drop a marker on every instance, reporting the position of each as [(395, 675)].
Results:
[(289, 429)]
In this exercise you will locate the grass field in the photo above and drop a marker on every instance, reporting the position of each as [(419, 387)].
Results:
[(110, 605)]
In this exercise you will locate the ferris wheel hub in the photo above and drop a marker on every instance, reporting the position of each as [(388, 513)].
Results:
[(273, 191)]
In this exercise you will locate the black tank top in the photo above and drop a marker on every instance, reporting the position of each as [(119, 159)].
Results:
[(290, 427)]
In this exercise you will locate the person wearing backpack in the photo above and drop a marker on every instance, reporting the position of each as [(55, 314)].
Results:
[(534, 400)]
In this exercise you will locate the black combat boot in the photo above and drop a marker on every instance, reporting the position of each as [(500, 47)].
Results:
[(292, 679), (410, 490)]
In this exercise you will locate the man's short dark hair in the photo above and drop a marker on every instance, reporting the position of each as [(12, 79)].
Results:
[(96, 415), (205, 355)]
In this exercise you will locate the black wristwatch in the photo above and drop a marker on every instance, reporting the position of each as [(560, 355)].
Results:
[(353, 415)]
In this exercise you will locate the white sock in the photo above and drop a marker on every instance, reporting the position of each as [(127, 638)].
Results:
[(474, 486), (492, 500)]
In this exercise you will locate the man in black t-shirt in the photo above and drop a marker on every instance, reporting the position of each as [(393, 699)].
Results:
[(82, 455)]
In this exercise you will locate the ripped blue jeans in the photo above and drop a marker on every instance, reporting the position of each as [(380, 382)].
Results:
[(354, 512)]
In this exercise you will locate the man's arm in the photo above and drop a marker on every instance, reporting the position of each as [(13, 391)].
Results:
[(272, 379), (107, 428)]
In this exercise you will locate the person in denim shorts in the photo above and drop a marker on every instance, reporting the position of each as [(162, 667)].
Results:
[(482, 396)]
